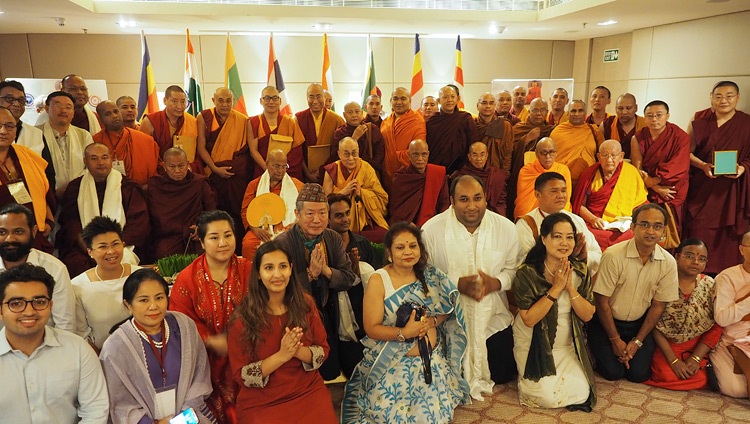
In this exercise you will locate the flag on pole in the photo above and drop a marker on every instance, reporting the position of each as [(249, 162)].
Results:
[(417, 82), (458, 77), (275, 79), (148, 102), (232, 79), (327, 77), (371, 84), (192, 79)]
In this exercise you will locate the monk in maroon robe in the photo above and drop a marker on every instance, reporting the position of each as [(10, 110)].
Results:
[(369, 139), (493, 178), (503, 106), (718, 206), (624, 125), (373, 107), (318, 125), (172, 122), (420, 190), (450, 132)]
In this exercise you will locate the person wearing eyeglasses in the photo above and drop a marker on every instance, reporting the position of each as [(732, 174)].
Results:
[(98, 291), (275, 179), (636, 279), (47, 372), (577, 141), (174, 121), (606, 192), (545, 153), (367, 135), (272, 130), (13, 97), (318, 125)]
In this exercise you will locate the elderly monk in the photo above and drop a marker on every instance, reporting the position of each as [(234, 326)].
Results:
[(13, 97), (495, 132), (503, 105), (576, 140), (83, 116), (718, 206), (63, 142), (373, 107), (558, 102), (352, 176), (136, 155), (600, 98), (273, 126), (450, 131), (420, 190), (171, 122), (607, 190), (665, 169), (367, 135), (129, 112), (317, 124), (101, 192), (519, 109), (399, 129), (276, 180), (175, 201), (545, 153), (624, 125), (493, 178), (329, 99), (428, 108)]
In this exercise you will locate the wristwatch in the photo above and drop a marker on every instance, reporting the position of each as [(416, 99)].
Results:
[(400, 336), (637, 342)]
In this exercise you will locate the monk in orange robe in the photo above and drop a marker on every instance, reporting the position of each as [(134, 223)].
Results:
[(495, 132), (136, 154), (164, 126), (546, 152), (318, 125), (399, 129), (576, 141), (129, 112), (624, 125), (493, 178), (600, 98), (450, 131)]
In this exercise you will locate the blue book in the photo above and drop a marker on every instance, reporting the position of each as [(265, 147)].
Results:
[(725, 162)]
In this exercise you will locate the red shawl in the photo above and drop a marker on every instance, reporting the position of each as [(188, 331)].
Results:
[(667, 157), (596, 202)]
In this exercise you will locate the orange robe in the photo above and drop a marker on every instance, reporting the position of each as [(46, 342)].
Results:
[(372, 206), (397, 134), (612, 130), (138, 151), (164, 132), (576, 146), (525, 199), (285, 126)]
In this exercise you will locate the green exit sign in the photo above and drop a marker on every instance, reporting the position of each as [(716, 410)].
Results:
[(611, 55)]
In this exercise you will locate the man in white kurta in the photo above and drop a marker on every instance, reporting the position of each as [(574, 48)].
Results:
[(551, 192), (478, 249)]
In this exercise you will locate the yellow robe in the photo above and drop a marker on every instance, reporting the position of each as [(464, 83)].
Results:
[(576, 146), (374, 200), (628, 193)]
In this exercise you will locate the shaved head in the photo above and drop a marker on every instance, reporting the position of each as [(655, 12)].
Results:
[(276, 155), (174, 151), (348, 143), (123, 99)]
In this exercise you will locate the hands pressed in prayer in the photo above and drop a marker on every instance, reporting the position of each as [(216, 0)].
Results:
[(359, 131), (223, 171), (477, 286), (580, 252), (261, 233), (665, 192), (316, 261), (290, 343), (354, 258), (352, 187), (563, 277)]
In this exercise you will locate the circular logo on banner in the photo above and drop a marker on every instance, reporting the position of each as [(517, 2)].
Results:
[(94, 100), (29, 100)]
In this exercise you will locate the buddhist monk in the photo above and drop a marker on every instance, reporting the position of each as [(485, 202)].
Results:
[(84, 117), (400, 127), (281, 129), (558, 101), (495, 132), (317, 124), (450, 131), (503, 105), (494, 178), (136, 155), (101, 192), (420, 190), (329, 99), (367, 135), (373, 107), (429, 108), (164, 126), (13, 97), (129, 112), (519, 109), (175, 201), (600, 98), (353, 177), (717, 208), (274, 179), (624, 125), (545, 153), (609, 189), (576, 140)]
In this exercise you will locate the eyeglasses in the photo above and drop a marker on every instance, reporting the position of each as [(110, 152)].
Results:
[(655, 115), (352, 154), (692, 257), (551, 153), (279, 167), (658, 226), (271, 98), (729, 97), (608, 156), (104, 248), (10, 100), (19, 305)]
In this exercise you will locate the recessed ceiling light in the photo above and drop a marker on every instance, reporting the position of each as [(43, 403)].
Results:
[(127, 24), (321, 26), (609, 22)]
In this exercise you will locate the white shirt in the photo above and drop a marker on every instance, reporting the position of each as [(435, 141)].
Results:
[(63, 308), (527, 241), (67, 162), (32, 138), (59, 383), (493, 248)]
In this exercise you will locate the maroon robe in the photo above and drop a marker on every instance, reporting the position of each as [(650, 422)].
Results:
[(717, 210), (624, 137), (80, 119), (162, 134), (449, 136), (371, 146), (372, 121), (494, 184), (416, 197), (135, 233), (293, 158), (513, 119)]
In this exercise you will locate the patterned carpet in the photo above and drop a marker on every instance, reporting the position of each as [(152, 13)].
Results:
[(619, 402)]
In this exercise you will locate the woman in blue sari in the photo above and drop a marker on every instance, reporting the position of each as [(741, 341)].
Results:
[(389, 384)]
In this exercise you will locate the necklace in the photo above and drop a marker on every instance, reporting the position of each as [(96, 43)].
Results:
[(96, 271), (5, 169), (148, 338), (548, 271)]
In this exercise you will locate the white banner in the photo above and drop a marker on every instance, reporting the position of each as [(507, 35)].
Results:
[(534, 87), (40, 87)]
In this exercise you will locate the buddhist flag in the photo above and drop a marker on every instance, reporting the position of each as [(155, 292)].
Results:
[(148, 102), (417, 82), (275, 79), (192, 80), (232, 79), (371, 84), (327, 77), (458, 77)]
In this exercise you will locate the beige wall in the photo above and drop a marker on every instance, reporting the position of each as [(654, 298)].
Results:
[(117, 59)]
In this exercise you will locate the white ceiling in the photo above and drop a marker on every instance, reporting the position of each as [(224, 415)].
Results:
[(570, 21)]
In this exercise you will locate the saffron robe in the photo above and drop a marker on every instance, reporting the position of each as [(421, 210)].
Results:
[(449, 136), (164, 132), (576, 146), (397, 134), (416, 197), (372, 206), (494, 184), (612, 130), (498, 136), (520, 147), (288, 127), (138, 151), (526, 201), (371, 146), (551, 118), (173, 207), (522, 116), (718, 209)]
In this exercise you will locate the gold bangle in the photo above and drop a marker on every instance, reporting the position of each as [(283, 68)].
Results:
[(574, 298), (696, 358), (675, 361)]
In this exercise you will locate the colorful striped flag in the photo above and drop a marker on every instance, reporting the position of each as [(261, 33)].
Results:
[(458, 77), (417, 82), (275, 79), (192, 80), (371, 84), (148, 102), (232, 79), (327, 77)]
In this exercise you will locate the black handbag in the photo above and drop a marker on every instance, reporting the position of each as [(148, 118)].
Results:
[(713, 382), (403, 313)]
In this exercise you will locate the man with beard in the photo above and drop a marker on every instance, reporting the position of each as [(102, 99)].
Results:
[(17, 232), (495, 132), (13, 97), (83, 116), (503, 105), (129, 111), (624, 125)]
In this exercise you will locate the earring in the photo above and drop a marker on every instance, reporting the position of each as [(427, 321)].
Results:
[(389, 259)]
